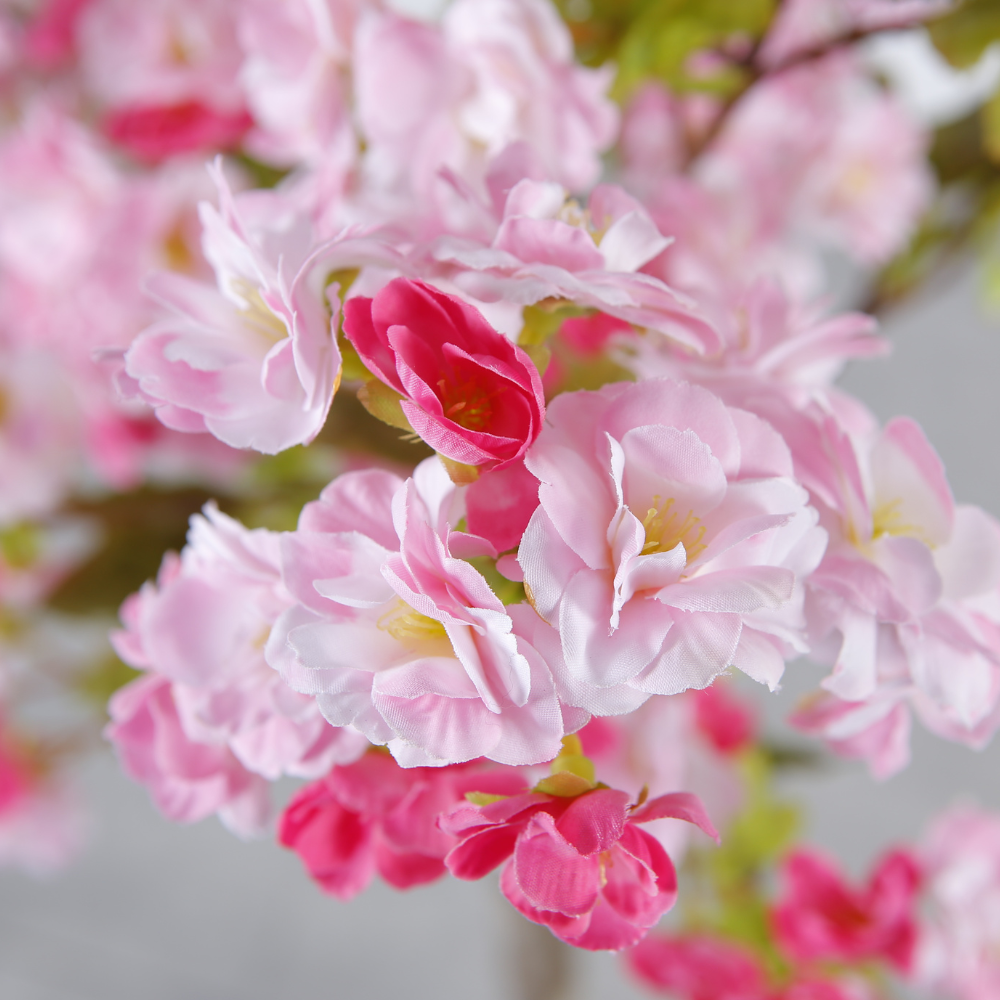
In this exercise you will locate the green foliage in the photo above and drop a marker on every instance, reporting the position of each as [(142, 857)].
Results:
[(729, 897), (261, 175), (138, 528), (541, 321), (106, 677), (20, 545), (507, 590), (963, 35), (658, 38)]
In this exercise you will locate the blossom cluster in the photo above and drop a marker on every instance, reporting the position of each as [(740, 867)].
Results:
[(630, 472)]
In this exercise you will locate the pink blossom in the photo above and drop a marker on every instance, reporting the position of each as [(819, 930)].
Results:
[(374, 815), (203, 626), (160, 54), (670, 543), (188, 780), (499, 505), (296, 77), (960, 855), (699, 968), (815, 157), (452, 96), (467, 391), (41, 818), (49, 39), (727, 723), (661, 746), (819, 918), (850, 162), (402, 639), (545, 245), (773, 349), (905, 603), (580, 866), (255, 361), (157, 132)]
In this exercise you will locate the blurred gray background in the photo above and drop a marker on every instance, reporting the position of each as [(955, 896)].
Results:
[(154, 911)]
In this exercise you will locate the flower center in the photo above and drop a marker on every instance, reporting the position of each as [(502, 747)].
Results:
[(665, 528), (409, 626), (467, 403), (887, 519), (257, 314)]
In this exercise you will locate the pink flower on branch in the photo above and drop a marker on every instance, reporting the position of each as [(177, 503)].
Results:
[(539, 244), (212, 722), (699, 967), (906, 603), (468, 391), (820, 918), (401, 638), (374, 816), (670, 543), (579, 864), (255, 361), (959, 949)]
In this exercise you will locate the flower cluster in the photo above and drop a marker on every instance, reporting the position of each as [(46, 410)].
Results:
[(616, 467)]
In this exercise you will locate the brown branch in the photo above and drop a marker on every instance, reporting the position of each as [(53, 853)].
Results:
[(757, 73)]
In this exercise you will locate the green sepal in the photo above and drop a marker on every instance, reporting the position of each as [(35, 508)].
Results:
[(460, 473), (484, 798), (565, 785), (383, 403)]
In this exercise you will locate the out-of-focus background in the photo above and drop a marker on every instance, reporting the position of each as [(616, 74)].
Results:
[(164, 912)]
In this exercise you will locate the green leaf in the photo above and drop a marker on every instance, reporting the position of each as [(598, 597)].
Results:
[(20, 544), (509, 591), (106, 677), (964, 35), (990, 115), (541, 321), (138, 528)]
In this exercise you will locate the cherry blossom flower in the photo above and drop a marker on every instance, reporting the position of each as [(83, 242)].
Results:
[(819, 918), (203, 627), (166, 74), (702, 967), (211, 721), (453, 95), (699, 968), (579, 865), (904, 604), (541, 245), (400, 638), (296, 77), (374, 815), (467, 391), (255, 362), (957, 953), (670, 543), (187, 779)]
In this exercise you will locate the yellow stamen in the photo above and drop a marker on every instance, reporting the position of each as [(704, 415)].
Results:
[(887, 519), (407, 625), (664, 529), (258, 314)]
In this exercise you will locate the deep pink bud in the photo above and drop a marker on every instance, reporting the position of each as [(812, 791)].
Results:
[(468, 391)]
